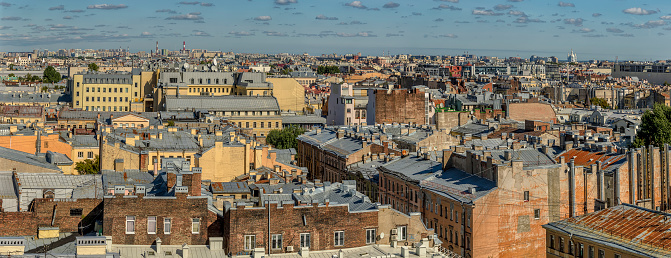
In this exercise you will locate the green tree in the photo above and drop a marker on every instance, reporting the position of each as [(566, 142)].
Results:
[(88, 166), (11, 75), (330, 69), (171, 123), (44, 89), (11, 67), (51, 75), (93, 67), (285, 138), (655, 128), (599, 102)]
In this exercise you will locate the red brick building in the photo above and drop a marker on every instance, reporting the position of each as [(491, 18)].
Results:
[(400, 106), (177, 215)]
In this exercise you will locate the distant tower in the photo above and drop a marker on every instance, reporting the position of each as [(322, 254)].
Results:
[(572, 58), (156, 47), (184, 46)]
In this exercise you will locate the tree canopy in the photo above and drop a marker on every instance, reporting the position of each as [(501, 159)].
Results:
[(51, 75), (88, 166), (599, 102), (93, 67), (328, 69), (655, 128), (285, 138)]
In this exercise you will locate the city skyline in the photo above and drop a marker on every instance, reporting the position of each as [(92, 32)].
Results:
[(594, 30)]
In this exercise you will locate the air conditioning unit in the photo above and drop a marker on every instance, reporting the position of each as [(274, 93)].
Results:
[(394, 231), (290, 248)]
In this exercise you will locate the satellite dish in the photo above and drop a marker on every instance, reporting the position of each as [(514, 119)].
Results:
[(381, 235), (186, 65)]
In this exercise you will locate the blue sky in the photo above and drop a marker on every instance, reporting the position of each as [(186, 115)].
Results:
[(594, 29)]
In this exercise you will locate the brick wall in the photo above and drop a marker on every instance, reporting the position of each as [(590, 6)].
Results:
[(181, 210), (401, 106), (321, 223), (27, 223)]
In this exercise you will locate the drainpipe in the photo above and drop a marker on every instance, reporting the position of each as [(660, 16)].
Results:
[(571, 190)]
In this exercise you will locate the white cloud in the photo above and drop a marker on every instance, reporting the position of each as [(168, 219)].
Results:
[(188, 17), (638, 11), (485, 12), (241, 33), (263, 18), (572, 21), (501, 7), (356, 4), (666, 17), (324, 17), (450, 35), (57, 8), (451, 1), (107, 6), (285, 2), (145, 34), (564, 4), (391, 5)]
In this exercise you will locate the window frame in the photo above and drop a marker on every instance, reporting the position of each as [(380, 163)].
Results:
[(276, 242), (369, 235), (402, 233), (251, 240), (194, 222), (130, 219), (151, 219), (339, 238), (167, 224), (303, 238)]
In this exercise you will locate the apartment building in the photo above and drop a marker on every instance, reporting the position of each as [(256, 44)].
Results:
[(619, 231), (257, 115), (112, 91)]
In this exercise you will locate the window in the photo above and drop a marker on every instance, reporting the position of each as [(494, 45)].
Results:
[(277, 124), (581, 250), (305, 240), (167, 225), (591, 251), (571, 247), (370, 236), (537, 213), (526, 196), (87, 89), (195, 226), (402, 233), (130, 224), (561, 244), (76, 212), (151, 225), (246, 124), (617, 256), (602, 253), (254, 124), (339, 238), (80, 154), (552, 242), (276, 242), (250, 242), (173, 80), (90, 155)]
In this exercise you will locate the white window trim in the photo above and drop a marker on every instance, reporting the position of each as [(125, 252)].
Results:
[(130, 218), (165, 222), (192, 223), (402, 233), (272, 237), (155, 225), (335, 237), (244, 244), (309, 239), (374, 235)]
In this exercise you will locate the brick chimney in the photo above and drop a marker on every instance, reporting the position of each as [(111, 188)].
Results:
[(172, 180)]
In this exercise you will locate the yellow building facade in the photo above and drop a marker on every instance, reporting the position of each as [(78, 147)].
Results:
[(115, 91)]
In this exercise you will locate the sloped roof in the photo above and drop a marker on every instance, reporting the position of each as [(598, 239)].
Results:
[(222, 103)]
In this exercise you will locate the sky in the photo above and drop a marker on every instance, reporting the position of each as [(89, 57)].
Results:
[(594, 29)]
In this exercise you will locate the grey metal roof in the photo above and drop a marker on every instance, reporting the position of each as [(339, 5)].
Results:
[(53, 180), (530, 156), (413, 168), (344, 146), (26, 158), (35, 98), (229, 187), (7, 190), (303, 120), (337, 193), (455, 183), (473, 129), (222, 103)]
